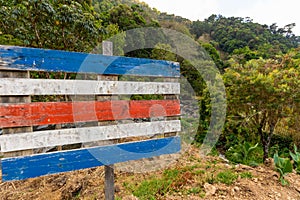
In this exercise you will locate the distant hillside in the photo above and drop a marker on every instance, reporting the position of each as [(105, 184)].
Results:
[(79, 25), (230, 35)]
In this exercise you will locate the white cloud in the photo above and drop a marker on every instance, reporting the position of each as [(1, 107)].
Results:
[(191, 9), (276, 11), (282, 12)]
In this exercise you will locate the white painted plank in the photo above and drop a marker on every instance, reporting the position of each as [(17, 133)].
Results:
[(39, 139), (14, 86)]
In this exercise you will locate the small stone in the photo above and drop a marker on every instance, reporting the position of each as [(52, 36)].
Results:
[(130, 198), (234, 190), (244, 167), (269, 162), (209, 189), (237, 189), (117, 188)]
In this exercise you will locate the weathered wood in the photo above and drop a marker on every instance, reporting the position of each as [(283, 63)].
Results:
[(35, 59), (12, 86), (51, 163), (13, 99), (95, 102), (109, 182), (48, 138), (107, 48), (109, 176), (42, 113)]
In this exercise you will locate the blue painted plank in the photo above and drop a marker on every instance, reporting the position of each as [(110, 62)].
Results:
[(55, 60), (20, 168)]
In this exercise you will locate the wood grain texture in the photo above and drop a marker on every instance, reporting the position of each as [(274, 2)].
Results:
[(49, 138), (16, 115), (35, 59), (37, 165), (42, 113), (109, 175), (13, 100), (12, 86)]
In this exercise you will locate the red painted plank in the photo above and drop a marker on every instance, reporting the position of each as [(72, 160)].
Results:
[(42, 113)]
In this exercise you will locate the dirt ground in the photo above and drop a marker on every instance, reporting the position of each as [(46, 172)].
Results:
[(88, 184)]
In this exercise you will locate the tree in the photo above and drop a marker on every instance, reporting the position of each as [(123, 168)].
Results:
[(262, 93), (126, 17), (214, 54), (235, 33), (199, 28), (163, 52), (66, 24)]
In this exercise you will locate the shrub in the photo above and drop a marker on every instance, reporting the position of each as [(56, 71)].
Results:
[(296, 157), (283, 166), (245, 153)]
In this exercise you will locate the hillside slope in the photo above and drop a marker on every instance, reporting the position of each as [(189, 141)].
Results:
[(188, 177)]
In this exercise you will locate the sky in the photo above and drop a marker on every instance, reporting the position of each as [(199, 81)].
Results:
[(282, 12)]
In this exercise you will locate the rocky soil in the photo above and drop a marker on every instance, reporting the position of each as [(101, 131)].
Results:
[(88, 184)]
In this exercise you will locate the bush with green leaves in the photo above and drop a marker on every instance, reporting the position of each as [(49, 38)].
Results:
[(296, 158), (281, 144), (283, 166), (245, 153)]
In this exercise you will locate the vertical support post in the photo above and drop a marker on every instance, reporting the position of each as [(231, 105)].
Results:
[(109, 181), (171, 97)]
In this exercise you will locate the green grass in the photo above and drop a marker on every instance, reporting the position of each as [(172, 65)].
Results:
[(154, 187), (179, 179), (227, 177), (196, 191), (246, 175), (170, 181), (148, 190)]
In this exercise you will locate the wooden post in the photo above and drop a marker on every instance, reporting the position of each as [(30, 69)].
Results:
[(171, 97), (109, 181)]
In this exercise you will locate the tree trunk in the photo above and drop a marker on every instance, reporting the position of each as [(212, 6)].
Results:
[(266, 152), (266, 141)]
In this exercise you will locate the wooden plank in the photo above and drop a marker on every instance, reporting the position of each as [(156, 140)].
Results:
[(35, 59), (48, 138), (12, 86), (43, 164), (14, 99), (42, 113)]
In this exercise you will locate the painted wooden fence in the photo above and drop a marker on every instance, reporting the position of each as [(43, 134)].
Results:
[(110, 118)]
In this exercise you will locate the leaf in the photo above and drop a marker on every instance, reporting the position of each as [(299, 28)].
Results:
[(276, 159), (280, 171), (283, 165), (294, 156), (288, 167), (295, 148), (251, 149), (283, 181)]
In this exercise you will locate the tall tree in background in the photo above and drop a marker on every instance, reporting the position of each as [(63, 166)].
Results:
[(262, 93)]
